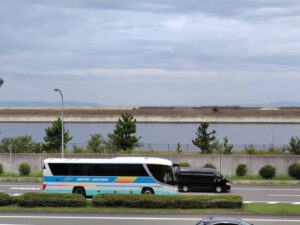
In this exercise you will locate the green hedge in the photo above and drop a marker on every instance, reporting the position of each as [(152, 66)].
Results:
[(31, 199), (5, 199), (173, 201)]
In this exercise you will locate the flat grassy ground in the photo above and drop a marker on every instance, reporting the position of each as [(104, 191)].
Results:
[(251, 209)]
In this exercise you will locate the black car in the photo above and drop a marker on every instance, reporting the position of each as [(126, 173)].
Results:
[(201, 179), (223, 221)]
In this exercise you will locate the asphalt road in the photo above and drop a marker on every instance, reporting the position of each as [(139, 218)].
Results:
[(264, 194), (123, 219)]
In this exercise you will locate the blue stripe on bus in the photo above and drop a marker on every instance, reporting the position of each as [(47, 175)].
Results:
[(69, 179)]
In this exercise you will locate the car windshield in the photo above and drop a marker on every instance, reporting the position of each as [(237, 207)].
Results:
[(162, 173)]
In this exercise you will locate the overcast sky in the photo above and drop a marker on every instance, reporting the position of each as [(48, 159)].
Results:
[(152, 52)]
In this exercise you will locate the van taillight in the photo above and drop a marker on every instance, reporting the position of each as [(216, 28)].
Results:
[(44, 186)]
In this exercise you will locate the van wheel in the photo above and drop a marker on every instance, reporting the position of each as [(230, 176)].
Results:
[(147, 191), (185, 188), (218, 189), (79, 191)]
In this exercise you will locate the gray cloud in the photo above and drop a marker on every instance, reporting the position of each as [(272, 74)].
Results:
[(158, 44)]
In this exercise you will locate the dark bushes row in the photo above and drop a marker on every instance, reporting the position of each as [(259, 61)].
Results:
[(173, 201), (269, 171), (31, 199)]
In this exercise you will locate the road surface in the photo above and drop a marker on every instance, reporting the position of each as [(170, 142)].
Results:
[(123, 219), (251, 194)]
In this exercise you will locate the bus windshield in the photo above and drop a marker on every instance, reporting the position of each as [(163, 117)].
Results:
[(162, 173)]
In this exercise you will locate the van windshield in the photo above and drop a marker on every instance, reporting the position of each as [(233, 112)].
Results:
[(162, 173)]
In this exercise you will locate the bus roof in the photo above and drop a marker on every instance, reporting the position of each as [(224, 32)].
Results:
[(121, 160)]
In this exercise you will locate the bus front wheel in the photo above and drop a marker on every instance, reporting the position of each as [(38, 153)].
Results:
[(79, 190), (147, 191)]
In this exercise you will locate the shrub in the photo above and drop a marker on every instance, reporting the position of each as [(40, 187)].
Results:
[(209, 165), (178, 148), (31, 199), (77, 149), (267, 172), (184, 164), (24, 169), (294, 170), (170, 201), (241, 170), (250, 149), (1, 168), (5, 199), (294, 146)]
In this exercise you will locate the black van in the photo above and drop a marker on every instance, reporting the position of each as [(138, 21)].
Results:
[(201, 179)]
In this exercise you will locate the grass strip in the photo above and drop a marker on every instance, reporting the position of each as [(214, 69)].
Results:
[(248, 209)]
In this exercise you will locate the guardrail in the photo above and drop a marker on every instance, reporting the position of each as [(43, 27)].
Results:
[(188, 146)]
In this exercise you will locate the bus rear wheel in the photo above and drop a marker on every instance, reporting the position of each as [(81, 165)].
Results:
[(79, 190), (147, 191)]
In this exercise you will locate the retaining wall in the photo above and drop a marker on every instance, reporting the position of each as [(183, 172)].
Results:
[(227, 163)]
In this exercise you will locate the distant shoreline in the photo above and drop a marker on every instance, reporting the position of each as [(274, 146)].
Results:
[(230, 115)]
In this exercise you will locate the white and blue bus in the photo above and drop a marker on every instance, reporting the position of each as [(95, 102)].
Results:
[(120, 175)]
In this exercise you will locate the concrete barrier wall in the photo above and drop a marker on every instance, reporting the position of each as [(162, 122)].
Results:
[(227, 163)]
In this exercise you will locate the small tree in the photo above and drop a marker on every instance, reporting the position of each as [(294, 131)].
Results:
[(294, 146), (227, 146), (21, 144), (96, 143), (53, 137), (123, 137), (204, 138)]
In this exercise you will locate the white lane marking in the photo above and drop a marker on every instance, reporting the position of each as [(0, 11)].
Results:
[(271, 195), (16, 194), (296, 203), (24, 188), (266, 189), (272, 203), (141, 218), (268, 202)]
